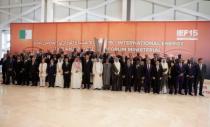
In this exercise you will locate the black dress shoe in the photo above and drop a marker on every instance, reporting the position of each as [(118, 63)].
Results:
[(190, 94), (201, 94)]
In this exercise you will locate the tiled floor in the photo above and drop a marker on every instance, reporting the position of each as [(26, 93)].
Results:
[(57, 107)]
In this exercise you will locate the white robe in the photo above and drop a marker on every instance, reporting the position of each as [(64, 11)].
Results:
[(43, 69), (42, 73), (164, 80), (117, 65), (97, 78), (76, 76), (59, 75), (165, 67)]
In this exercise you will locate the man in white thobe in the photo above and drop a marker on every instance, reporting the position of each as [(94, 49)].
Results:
[(59, 74), (42, 72), (97, 74), (164, 86), (76, 74)]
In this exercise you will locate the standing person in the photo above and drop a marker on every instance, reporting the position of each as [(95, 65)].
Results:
[(137, 58), (154, 59), (10, 70), (34, 71), (42, 72), (136, 75), (66, 72), (164, 86), (157, 75), (59, 80), (26, 69), (139, 75), (87, 70), (3, 63), (51, 72), (172, 79), (123, 61), (97, 74), (180, 76), (201, 72), (106, 75), (190, 75), (148, 76), (115, 76), (179, 58), (19, 70), (76, 74), (128, 75)]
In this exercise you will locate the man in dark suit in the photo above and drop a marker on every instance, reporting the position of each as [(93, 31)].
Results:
[(200, 75), (148, 75), (34, 71), (51, 72), (10, 62), (87, 70), (19, 70), (123, 60), (157, 74), (172, 78), (3, 63), (116, 73), (26, 69), (138, 75), (128, 73), (66, 72), (190, 75), (180, 70)]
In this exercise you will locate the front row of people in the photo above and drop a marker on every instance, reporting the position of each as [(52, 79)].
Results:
[(160, 77)]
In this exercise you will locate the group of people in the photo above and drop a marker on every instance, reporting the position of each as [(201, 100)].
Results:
[(89, 69)]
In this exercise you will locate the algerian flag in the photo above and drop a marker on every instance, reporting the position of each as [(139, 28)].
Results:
[(25, 34)]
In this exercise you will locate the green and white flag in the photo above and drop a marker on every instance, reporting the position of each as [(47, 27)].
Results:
[(25, 34)]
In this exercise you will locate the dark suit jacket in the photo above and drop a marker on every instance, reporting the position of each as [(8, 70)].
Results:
[(180, 70), (26, 68), (19, 67), (87, 67), (201, 72), (66, 68), (51, 70), (128, 71), (173, 73), (139, 71), (34, 70), (148, 72), (10, 64), (190, 71), (3, 63), (157, 73)]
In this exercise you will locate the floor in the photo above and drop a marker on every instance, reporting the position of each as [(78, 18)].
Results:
[(22, 106)]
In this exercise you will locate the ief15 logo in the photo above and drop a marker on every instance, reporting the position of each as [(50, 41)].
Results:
[(187, 34)]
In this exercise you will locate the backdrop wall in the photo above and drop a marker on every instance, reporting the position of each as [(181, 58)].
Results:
[(190, 38)]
